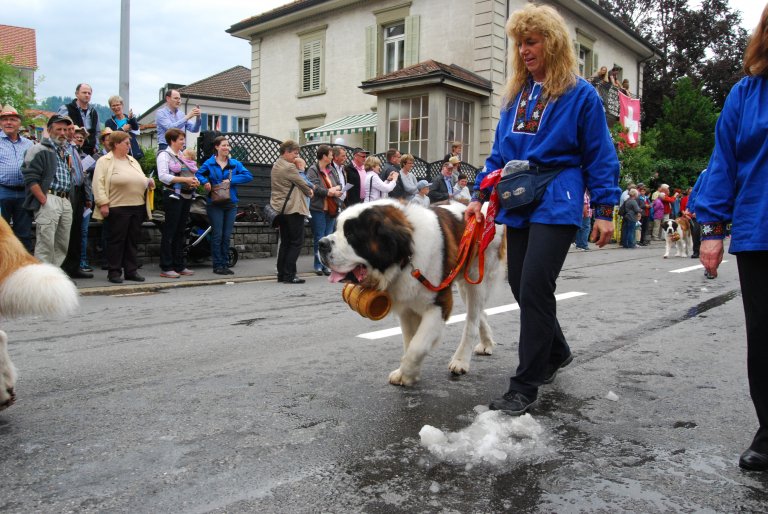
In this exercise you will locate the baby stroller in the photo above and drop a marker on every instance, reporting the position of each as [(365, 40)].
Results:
[(197, 235)]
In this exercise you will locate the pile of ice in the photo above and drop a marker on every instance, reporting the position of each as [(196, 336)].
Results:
[(492, 438)]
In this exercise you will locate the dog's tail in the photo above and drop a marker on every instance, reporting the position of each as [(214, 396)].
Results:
[(28, 286)]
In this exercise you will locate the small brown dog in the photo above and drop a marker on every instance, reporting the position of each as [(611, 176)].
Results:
[(677, 233)]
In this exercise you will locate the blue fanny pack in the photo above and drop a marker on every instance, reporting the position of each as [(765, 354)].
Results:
[(523, 184)]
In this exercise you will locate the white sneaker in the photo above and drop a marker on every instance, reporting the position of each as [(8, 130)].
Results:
[(186, 271), (169, 274)]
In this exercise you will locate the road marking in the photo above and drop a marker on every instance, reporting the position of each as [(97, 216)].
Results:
[(389, 332), (689, 268)]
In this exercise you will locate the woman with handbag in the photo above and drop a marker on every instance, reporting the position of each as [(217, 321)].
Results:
[(120, 192), (287, 198), (171, 173), (219, 175), (553, 122), (325, 205)]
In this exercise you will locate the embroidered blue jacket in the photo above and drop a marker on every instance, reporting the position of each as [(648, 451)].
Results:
[(569, 133), (737, 175)]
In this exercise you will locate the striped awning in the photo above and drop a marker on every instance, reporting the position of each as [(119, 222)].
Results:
[(346, 125)]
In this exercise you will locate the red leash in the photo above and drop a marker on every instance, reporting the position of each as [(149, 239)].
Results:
[(469, 247)]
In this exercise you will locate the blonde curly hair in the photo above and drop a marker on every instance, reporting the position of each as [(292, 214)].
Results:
[(559, 57)]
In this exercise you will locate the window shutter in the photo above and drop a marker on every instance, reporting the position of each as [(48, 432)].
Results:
[(411, 40), (371, 53), (576, 48), (224, 123), (311, 66), (235, 128), (595, 63)]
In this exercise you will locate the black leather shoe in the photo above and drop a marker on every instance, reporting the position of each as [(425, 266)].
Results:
[(294, 280), (552, 373), (326, 272), (221, 271), (512, 403), (79, 274), (694, 256), (319, 272), (116, 280), (135, 278), (229, 271), (753, 461)]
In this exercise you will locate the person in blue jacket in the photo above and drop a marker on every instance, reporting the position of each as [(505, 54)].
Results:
[(222, 215), (555, 120), (734, 190)]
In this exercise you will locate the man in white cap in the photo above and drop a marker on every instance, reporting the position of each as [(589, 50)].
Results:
[(47, 171), (13, 146)]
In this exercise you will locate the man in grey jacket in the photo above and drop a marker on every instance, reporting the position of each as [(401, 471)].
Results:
[(47, 171)]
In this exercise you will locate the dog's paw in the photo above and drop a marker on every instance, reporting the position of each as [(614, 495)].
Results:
[(398, 378), (484, 348), (458, 367)]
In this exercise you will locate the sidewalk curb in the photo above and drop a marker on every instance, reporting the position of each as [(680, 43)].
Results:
[(156, 287)]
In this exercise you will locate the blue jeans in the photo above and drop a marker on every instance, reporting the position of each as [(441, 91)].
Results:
[(582, 236), (222, 223), (11, 201), (322, 225), (84, 241), (628, 234)]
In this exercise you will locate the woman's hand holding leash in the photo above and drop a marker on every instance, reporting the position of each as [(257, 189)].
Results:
[(473, 210)]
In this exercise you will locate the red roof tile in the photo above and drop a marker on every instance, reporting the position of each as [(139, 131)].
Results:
[(19, 43), (430, 68), (227, 85)]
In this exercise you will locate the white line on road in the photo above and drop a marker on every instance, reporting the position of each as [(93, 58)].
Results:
[(689, 268), (380, 334)]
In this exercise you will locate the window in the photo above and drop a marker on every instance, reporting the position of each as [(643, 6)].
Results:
[(585, 56), (394, 47), (312, 67), (213, 122), (242, 125), (458, 125), (408, 125)]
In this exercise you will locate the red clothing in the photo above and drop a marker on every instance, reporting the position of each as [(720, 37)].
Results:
[(668, 201), (684, 203)]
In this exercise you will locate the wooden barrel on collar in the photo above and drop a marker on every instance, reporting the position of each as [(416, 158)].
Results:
[(369, 303)]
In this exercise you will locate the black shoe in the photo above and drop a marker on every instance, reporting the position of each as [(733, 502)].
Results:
[(753, 461), (221, 271), (319, 272), (294, 280), (105, 267), (79, 274), (229, 271), (694, 256), (135, 278), (512, 403), (552, 373), (116, 280), (326, 272)]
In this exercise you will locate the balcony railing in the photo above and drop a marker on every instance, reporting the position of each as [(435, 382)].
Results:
[(609, 94)]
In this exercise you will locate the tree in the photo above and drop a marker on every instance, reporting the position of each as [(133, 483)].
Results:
[(704, 43), (13, 90)]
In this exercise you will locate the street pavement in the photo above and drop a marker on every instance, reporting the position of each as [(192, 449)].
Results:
[(251, 396)]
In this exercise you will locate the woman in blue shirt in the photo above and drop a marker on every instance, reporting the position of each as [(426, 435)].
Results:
[(222, 215), (734, 190), (555, 120)]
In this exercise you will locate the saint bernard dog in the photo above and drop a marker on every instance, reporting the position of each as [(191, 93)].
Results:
[(677, 233), (27, 287), (379, 244)]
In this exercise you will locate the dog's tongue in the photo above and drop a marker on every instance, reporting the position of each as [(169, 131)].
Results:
[(335, 276)]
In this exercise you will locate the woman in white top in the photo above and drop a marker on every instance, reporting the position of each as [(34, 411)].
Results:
[(374, 186)]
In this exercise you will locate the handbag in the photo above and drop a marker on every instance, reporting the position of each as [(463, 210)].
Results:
[(270, 214), (524, 187), (220, 192), (331, 207)]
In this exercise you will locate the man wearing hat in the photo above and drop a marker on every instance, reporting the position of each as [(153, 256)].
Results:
[(356, 176), (47, 171), (12, 149)]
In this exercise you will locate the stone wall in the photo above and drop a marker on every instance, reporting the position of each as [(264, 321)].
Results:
[(253, 240)]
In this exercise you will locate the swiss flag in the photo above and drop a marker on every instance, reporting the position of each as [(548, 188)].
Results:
[(629, 116)]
